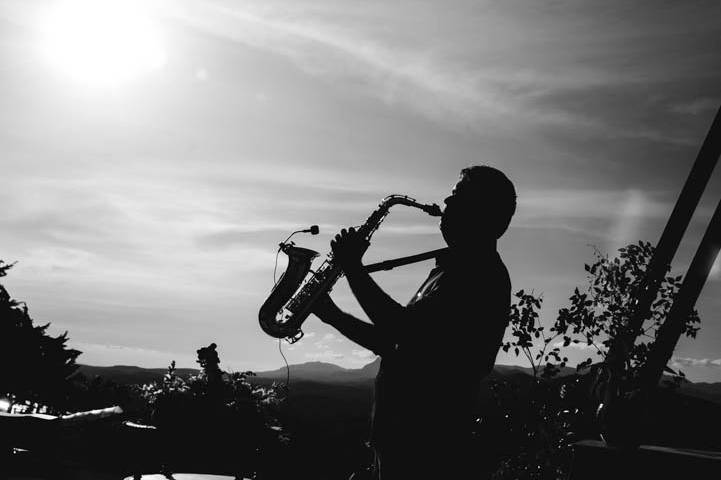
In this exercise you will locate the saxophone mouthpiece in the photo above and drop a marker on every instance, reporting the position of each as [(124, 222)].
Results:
[(433, 210)]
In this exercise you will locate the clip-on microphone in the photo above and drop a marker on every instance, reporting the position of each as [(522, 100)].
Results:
[(313, 230)]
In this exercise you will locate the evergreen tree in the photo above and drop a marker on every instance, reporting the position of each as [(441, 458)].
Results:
[(35, 365)]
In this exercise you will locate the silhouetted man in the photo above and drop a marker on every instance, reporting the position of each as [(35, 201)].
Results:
[(435, 350)]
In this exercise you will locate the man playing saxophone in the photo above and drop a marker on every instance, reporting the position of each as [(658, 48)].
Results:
[(436, 349)]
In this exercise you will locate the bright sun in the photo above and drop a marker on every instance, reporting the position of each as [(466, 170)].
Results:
[(102, 42)]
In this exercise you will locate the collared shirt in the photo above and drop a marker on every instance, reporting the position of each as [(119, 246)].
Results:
[(444, 345)]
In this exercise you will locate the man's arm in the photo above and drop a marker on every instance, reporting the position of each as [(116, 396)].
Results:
[(382, 310), (356, 330), (385, 313)]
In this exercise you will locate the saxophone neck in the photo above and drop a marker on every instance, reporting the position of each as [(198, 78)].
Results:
[(380, 213), (431, 209)]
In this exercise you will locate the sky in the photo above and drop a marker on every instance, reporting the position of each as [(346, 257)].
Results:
[(154, 154)]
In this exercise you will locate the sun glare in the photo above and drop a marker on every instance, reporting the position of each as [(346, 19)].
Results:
[(101, 42)]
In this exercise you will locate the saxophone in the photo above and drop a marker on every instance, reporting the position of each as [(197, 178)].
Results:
[(292, 298)]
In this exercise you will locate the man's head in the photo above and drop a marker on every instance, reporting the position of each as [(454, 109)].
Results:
[(479, 208)]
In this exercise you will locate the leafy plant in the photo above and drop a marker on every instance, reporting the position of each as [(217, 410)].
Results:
[(600, 313), (530, 337), (546, 417), (535, 419)]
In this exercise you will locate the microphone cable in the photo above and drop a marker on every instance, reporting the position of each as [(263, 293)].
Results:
[(287, 367), (280, 340)]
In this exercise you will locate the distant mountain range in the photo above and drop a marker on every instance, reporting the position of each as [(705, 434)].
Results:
[(328, 373), (310, 371)]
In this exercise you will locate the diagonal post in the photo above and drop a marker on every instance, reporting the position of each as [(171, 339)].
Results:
[(667, 245), (683, 304)]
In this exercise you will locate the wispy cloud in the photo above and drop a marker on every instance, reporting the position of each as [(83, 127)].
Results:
[(331, 50), (471, 69), (417, 75), (697, 106), (363, 354), (328, 339), (695, 362), (577, 346), (324, 356)]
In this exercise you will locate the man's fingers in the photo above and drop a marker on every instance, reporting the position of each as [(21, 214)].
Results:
[(348, 238)]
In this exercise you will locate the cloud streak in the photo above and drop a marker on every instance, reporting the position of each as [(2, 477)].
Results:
[(324, 356), (695, 362), (417, 76), (577, 346), (443, 77)]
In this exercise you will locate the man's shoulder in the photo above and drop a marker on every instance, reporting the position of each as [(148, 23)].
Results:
[(489, 273)]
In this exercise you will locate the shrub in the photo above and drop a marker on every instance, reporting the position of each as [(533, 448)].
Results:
[(233, 425), (542, 421)]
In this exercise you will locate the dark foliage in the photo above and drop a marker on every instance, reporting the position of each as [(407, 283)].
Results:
[(537, 425), (36, 366), (531, 338), (602, 312), (555, 412), (215, 421)]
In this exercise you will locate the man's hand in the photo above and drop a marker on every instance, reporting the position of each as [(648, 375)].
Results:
[(348, 249), (325, 309)]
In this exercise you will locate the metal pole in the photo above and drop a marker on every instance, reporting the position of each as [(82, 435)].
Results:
[(670, 331), (399, 262), (670, 238)]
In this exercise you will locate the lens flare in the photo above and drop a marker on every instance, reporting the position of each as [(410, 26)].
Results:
[(715, 273)]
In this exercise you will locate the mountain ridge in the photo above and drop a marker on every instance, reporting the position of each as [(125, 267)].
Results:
[(323, 372), (313, 370)]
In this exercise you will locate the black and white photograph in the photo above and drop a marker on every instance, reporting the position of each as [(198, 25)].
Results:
[(360, 240)]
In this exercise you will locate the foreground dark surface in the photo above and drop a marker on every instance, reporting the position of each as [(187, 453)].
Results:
[(327, 415)]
